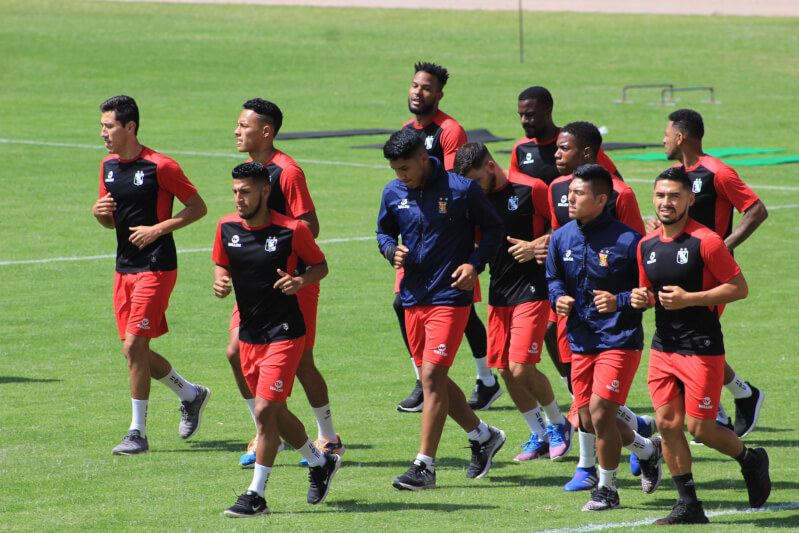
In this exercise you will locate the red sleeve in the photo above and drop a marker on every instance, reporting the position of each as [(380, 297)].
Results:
[(643, 280), (172, 179), (541, 198), (730, 187), (627, 210), (718, 260), (295, 189), (603, 159), (219, 255), (103, 190), (514, 161), (305, 246), (452, 138)]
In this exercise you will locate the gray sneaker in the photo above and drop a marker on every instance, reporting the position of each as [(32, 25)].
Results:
[(192, 412), (651, 471), (132, 443), (483, 454)]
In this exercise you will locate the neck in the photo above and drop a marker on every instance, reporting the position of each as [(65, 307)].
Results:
[(130, 151), (263, 155), (501, 176), (259, 219), (672, 230), (549, 133), (421, 120), (691, 156)]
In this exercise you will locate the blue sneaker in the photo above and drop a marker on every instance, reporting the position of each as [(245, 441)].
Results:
[(646, 426), (560, 440), (533, 449), (584, 479), (635, 467)]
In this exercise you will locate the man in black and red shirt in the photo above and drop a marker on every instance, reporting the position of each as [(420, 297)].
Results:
[(259, 250), (443, 136), (718, 190), (687, 273), (137, 188)]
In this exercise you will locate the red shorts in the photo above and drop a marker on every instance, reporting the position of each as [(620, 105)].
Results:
[(516, 333), (702, 378), (308, 299), (140, 302), (608, 374), (564, 346), (435, 332), (270, 368), (478, 296)]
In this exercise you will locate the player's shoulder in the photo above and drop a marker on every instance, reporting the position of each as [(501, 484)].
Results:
[(700, 231), (279, 219), (230, 218), (560, 180), (110, 158), (524, 141), (446, 121), (284, 161), (158, 158), (652, 235), (619, 185)]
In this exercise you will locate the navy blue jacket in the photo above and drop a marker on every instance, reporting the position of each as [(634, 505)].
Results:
[(437, 223), (600, 255)]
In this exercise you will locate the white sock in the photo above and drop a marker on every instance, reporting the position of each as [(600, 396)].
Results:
[(587, 449), (312, 454), (628, 417), (480, 434), (738, 388), (607, 478), (721, 415), (566, 382), (139, 418), (324, 423), (536, 422), (177, 384), (641, 446), (415, 369), (427, 461), (483, 372), (259, 478), (553, 413), (251, 406)]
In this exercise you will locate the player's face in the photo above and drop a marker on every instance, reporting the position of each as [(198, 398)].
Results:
[(569, 155), (671, 142), (249, 196), (115, 135), (424, 94), (411, 172), (484, 177), (249, 132), (583, 204), (671, 201), (534, 118)]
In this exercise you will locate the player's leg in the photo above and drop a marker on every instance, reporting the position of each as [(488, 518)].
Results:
[(486, 388), (415, 400), (551, 342), (748, 401), (247, 460), (582, 375)]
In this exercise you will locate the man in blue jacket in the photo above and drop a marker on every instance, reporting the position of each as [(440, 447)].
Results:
[(436, 213), (591, 270)]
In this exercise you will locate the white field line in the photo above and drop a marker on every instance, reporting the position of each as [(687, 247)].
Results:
[(645, 522)]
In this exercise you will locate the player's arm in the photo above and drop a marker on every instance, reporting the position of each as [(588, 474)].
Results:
[(673, 297), (103, 210), (559, 300), (311, 222), (751, 219), (642, 297), (222, 285), (452, 138), (387, 235), (298, 198), (194, 209), (291, 284)]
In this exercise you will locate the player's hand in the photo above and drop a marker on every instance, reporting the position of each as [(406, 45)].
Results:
[(605, 302), (641, 298), (143, 235), (222, 287), (399, 256), (652, 224), (673, 297), (522, 251), (105, 206), (465, 277), (564, 305), (541, 249), (288, 284)]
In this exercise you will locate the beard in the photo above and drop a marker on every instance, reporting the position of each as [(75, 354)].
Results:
[(675, 220), (421, 110), (254, 211)]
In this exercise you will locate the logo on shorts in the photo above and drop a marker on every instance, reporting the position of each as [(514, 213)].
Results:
[(442, 205), (706, 403), (513, 203), (533, 348), (652, 259), (603, 257), (429, 141), (145, 324), (234, 242), (614, 386), (682, 256), (271, 244), (564, 201), (568, 255), (528, 159), (696, 187), (403, 204), (278, 386), (138, 178), (109, 178), (441, 350)]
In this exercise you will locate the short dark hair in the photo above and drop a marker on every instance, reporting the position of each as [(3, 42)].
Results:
[(586, 134), (124, 108), (688, 121), (540, 94), (677, 174), (402, 144), (597, 177), (438, 71), (267, 111), (255, 171), (470, 156)]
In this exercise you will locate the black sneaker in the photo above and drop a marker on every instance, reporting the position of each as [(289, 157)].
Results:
[(248, 504), (758, 482), (418, 477), (482, 454), (747, 411), (482, 397), (684, 513), (320, 478), (192, 412), (132, 443), (415, 402), (603, 499), (651, 471)]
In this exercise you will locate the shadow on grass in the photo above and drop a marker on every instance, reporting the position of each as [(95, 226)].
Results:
[(359, 506), (20, 379), (206, 446)]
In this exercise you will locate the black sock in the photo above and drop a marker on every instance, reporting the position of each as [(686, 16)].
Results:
[(747, 459), (685, 487)]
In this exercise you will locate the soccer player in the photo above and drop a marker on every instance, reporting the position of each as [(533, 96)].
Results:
[(258, 125), (686, 273), (518, 308), (259, 250), (591, 270), (437, 213), (717, 190), (442, 137), (137, 187)]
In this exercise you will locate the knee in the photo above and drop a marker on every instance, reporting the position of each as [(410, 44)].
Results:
[(506, 374), (232, 354)]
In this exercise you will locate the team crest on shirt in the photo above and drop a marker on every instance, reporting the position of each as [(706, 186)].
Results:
[(528, 159), (442, 205), (428, 142), (568, 255), (234, 242), (696, 188), (138, 178), (564, 201), (109, 178), (404, 204), (513, 203), (652, 259), (441, 350), (603, 257), (271, 244), (682, 256)]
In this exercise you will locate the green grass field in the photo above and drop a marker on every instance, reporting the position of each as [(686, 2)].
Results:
[(64, 399)]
